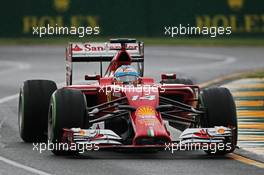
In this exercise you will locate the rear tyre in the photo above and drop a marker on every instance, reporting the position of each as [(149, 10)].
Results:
[(33, 109), (67, 110), (184, 81), (221, 111)]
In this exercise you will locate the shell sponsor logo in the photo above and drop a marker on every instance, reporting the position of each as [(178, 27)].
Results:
[(220, 130), (145, 111), (147, 115)]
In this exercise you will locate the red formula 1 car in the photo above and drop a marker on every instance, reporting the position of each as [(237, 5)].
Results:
[(129, 111)]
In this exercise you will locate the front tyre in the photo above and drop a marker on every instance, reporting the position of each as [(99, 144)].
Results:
[(67, 110), (221, 111)]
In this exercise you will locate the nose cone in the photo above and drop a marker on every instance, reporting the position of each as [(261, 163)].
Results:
[(149, 127), (147, 123)]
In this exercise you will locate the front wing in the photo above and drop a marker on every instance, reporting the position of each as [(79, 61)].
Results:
[(105, 138)]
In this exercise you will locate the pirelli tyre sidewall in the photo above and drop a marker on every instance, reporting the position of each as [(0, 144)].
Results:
[(34, 98), (220, 111), (67, 110)]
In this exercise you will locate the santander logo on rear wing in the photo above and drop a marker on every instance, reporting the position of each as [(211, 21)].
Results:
[(104, 50)]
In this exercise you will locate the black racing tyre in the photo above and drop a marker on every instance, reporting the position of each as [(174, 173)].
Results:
[(34, 98), (184, 81), (67, 110), (220, 111)]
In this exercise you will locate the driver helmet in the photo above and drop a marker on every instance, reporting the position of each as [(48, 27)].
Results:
[(126, 74)]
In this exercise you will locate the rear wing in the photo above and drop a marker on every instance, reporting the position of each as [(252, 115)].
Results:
[(101, 52)]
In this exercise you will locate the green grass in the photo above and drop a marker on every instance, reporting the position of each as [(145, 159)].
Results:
[(254, 74), (147, 41)]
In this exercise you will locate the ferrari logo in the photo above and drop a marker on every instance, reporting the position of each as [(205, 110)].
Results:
[(61, 5), (235, 4)]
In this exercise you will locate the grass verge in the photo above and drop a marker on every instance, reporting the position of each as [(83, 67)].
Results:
[(257, 73), (254, 74)]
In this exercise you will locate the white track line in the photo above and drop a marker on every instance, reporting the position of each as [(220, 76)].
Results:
[(17, 66), (11, 162), (27, 168), (8, 98)]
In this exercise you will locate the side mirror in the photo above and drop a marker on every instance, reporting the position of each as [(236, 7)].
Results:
[(92, 77), (168, 76)]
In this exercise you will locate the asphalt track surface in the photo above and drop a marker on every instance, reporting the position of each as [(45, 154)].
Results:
[(18, 63)]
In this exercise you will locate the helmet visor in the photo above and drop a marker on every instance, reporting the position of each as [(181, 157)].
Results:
[(127, 78)]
